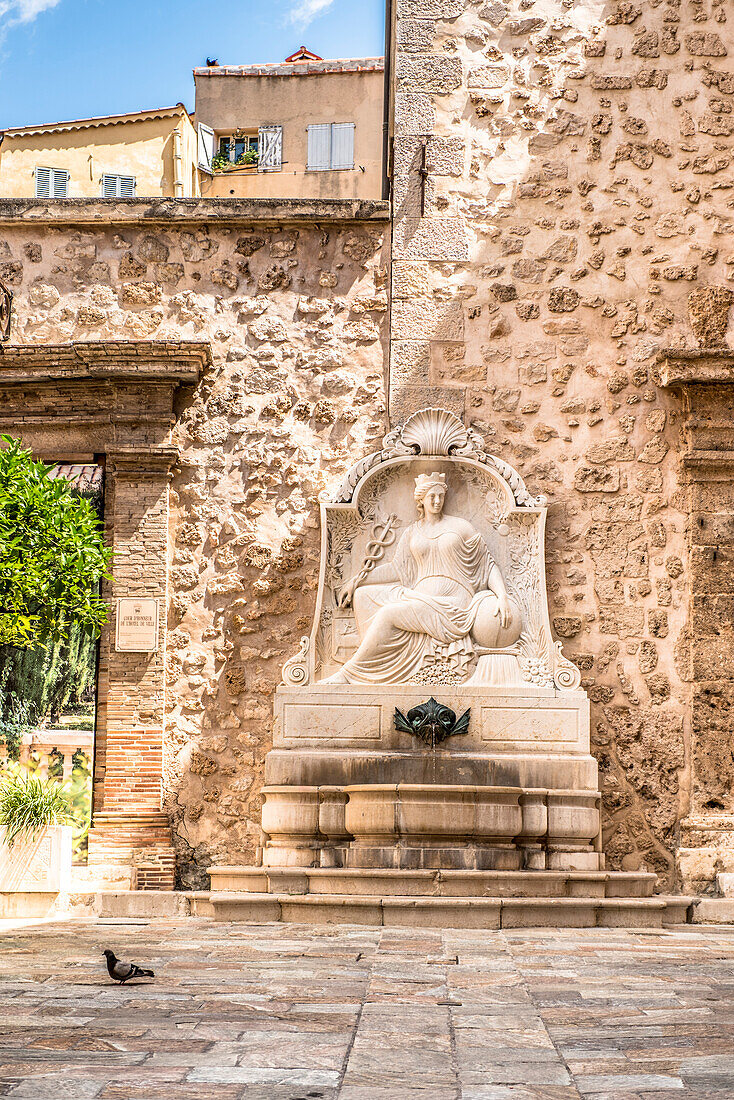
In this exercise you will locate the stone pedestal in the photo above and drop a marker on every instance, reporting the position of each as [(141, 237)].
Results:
[(40, 865), (344, 787)]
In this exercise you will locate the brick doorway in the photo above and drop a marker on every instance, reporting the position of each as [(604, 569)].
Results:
[(112, 402)]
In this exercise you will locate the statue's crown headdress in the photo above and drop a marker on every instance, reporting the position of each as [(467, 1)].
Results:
[(425, 482)]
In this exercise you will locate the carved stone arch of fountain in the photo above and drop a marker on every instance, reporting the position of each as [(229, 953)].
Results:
[(362, 524)]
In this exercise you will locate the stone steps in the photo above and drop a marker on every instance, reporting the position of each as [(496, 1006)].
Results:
[(432, 884), (367, 910), (443, 899), (451, 912)]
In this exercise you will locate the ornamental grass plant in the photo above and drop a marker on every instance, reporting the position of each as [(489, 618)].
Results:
[(29, 804)]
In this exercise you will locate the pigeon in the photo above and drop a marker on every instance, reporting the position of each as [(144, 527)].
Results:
[(122, 971)]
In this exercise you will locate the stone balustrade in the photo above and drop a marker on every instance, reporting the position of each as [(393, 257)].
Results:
[(42, 743)]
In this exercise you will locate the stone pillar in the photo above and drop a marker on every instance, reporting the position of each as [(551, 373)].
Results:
[(129, 831), (705, 380), (430, 234)]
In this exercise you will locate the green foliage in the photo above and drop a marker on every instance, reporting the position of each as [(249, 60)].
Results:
[(17, 717), (52, 556), (28, 804), (248, 159), (49, 679)]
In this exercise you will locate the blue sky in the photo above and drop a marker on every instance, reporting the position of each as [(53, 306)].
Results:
[(64, 59)]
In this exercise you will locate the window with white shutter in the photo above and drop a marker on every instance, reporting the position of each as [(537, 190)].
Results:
[(330, 146), (118, 187), (270, 143), (52, 183), (205, 147)]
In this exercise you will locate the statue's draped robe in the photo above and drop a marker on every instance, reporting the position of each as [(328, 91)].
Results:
[(428, 616)]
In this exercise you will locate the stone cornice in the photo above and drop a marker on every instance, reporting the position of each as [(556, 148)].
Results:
[(238, 213), (709, 465), (695, 366), (152, 361), (142, 461)]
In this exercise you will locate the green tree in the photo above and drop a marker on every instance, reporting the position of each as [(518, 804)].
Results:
[(52, 555), (51, 677)]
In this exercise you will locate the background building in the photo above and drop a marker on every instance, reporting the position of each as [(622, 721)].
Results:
[(143, 154), (304, 128)]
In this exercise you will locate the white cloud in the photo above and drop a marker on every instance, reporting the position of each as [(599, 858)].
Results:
[(13, 12), (300, 14)]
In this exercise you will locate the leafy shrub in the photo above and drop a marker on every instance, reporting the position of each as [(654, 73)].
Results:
[(28, 804), (18, 717)]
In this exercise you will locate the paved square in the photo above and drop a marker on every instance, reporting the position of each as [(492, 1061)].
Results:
[(286, 1012)]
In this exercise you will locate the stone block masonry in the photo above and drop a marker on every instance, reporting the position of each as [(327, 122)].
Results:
[(211, 495), (577, 157)]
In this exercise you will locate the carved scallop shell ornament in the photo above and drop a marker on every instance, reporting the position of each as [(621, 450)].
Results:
[(430, 432)]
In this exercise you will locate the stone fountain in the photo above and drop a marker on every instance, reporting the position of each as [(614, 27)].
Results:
[(430, 760), (430, 720)]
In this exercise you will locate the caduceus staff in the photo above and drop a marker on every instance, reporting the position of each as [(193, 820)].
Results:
[(383, 534), (6, 310)]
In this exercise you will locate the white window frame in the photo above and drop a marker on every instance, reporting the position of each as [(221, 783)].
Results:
[(328, 130), (118, 177), (55, 176)]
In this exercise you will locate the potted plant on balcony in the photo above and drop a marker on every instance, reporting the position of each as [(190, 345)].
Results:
[(249, 159), (35, 834)]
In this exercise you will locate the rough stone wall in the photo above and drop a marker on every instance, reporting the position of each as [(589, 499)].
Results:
[(295, 316), (579, 162)]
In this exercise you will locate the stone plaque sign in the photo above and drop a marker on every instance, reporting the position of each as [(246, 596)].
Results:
[(137, 625)]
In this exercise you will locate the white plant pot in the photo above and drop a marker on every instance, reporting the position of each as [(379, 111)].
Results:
[(42, 865)]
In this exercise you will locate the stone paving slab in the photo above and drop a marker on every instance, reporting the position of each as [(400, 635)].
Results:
[(289, 1012)]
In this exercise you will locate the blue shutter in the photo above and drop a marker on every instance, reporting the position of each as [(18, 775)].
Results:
[(319, 147), (118, 187), (60, 183), (342, 145), (127, 187), (43, 183), (52, 183), (205, 147)]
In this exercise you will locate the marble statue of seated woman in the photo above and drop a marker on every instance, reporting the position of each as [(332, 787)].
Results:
[(439, 600)]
